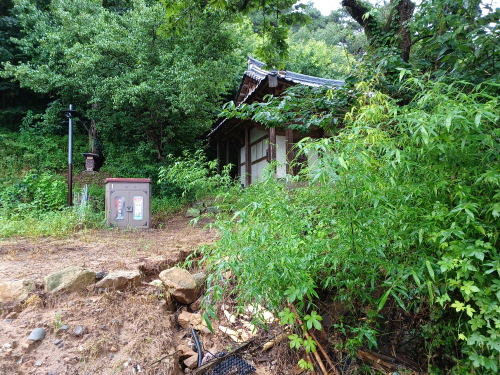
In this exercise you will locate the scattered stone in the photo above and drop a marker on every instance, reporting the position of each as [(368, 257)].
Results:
[(186, 352), (78, 331), (70, 279), (200, 278), (9, 320), (20, 361), (37, 334), (52, 373), (196, 305), (191, 362), (120, 280), (38, 363), (157, 283), (113, 349), (64, 328), (16, 290), (104, 328), (193, 212), (111, 356), (213, 209), (181, 284), (200, 206), (100, 275), (184, 318), (57, 341), (60, 345), (187, 319)]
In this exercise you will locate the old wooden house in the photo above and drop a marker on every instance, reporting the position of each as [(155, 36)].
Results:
[(249, 145)]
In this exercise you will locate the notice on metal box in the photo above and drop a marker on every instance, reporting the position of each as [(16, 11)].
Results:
[(138, 207)]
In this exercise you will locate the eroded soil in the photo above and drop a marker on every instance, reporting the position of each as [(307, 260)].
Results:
[(122, 332)]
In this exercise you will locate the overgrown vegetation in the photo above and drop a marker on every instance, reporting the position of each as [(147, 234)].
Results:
[(398, 211), (402, 206)]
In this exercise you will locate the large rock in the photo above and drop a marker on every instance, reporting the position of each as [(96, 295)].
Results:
[(120, 280), (16, 290), (181, 284), (70, 279)]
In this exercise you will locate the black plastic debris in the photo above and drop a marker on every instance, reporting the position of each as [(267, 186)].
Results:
[(233, 365)]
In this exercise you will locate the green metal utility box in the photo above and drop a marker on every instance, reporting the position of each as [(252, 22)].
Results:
[(128, 202)]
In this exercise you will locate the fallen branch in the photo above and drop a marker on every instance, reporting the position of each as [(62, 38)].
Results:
[(277, 339), (162, 358), (322, 350), (375, 359)]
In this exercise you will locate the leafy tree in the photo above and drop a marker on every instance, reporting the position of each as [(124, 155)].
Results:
[(315, 58), (151, 95), (446, 38), (14, 101), (272, 20)]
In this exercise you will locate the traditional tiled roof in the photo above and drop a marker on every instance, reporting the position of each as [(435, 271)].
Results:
[(256, 73)]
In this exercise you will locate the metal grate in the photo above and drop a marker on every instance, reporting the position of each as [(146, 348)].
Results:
[(234, 365)]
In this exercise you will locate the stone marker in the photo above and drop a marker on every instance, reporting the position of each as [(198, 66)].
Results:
[(16, 290), (181, 284), (71, 279)]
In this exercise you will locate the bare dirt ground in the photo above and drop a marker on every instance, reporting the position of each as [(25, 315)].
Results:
[(122, 332)]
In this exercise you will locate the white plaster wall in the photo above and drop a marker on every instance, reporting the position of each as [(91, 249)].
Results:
[(242, 154), (256, 134), (281, 156), (257, 170), (242, 176), (312, 158)]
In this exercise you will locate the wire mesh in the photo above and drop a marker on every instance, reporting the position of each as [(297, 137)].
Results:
[(233, 365)]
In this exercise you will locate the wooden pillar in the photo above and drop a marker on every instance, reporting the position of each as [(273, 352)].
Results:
[(272, 144), (227, 152), (248, 158), (288, 149), (218, 157)]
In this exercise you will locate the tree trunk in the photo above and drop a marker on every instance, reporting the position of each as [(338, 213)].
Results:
[(379, 35)]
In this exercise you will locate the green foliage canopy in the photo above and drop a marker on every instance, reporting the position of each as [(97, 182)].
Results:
[(148, 91)]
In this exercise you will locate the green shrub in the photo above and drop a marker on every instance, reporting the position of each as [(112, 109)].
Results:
[(192, 177), (402, 206), (39, 192)]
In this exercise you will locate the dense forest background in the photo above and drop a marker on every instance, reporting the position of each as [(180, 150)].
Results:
[(398, 219)]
